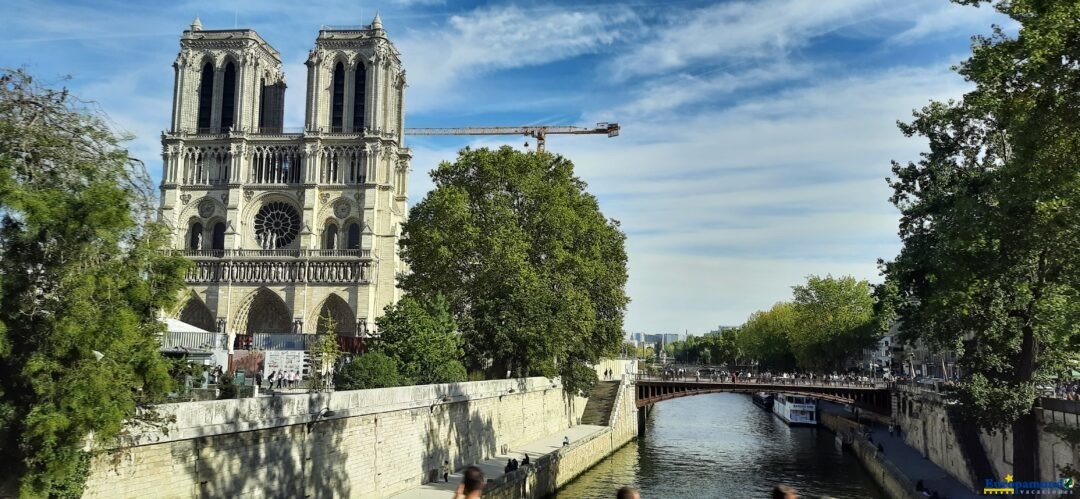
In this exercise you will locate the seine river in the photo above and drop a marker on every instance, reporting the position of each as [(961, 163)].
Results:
[(722, 445)]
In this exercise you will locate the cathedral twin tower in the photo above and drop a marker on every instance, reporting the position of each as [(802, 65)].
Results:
[(286, 227)]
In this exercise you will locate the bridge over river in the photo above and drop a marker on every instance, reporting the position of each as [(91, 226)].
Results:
[(873, 396)]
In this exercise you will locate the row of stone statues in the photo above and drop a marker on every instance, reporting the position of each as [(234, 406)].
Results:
[(278, 272)]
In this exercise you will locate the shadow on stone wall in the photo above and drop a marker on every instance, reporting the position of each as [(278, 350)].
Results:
[(304, 460), (456, 432)]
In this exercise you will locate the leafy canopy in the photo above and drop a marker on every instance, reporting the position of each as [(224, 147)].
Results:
[(370, 370), (80, 271), (422, 339), (990, 220), (533, 272)]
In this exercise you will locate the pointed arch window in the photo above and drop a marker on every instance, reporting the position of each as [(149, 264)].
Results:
[(359, 94), (218, 240), (228, 97), (353, 238), (337, 103), (330, 237), (206, 96), (195, 236)]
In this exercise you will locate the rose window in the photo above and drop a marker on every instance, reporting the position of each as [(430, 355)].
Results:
[(276, 225)]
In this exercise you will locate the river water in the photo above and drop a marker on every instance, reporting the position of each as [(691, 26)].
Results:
[(723, 446)]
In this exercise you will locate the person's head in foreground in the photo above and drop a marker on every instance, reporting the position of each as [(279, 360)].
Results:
[(784, 492), (628, 493), (472, 481)]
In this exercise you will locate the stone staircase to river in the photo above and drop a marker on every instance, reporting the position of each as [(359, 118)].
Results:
[(601, 402)]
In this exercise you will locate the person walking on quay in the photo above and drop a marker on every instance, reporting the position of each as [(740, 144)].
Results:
[(525, 461), (258, 379), (565, 441), (445, 471), (628, 493), (270, 380), (509, 466), (472, 484)]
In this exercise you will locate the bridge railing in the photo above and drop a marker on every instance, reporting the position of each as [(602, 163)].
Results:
[(817, 382)]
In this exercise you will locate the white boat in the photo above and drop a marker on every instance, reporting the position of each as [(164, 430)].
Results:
[(795, 409)]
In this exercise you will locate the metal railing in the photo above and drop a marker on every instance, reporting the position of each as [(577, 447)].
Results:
[(273, 253), (795, 382), (194, 341), (344, 27)]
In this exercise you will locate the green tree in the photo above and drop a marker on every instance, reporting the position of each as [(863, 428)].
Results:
[(832, 321), (422, 337), (80, 271), (533, 271), (324, 354), (764, 336), (990, 220), (370, 370)]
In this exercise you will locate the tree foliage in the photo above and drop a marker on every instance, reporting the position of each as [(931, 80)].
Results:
[(324, 354), (764, 336), (829, 321), (533, 272), (423, 340), (370, 370), (80, 271), (832, 321), (990, 220)]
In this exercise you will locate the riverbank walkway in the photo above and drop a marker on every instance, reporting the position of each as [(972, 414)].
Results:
[(493, 467), (909, 460), (912, 463)]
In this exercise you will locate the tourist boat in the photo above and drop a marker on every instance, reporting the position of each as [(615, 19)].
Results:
[(795, 409), (763, 400)]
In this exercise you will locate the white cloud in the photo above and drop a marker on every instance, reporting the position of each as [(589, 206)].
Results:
[(418, 3), (740, 31), (499, 38), (950, 18)]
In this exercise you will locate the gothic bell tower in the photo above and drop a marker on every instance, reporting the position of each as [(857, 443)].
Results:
[(286, 226)]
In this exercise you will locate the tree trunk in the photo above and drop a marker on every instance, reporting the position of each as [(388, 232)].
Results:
[(1025, 433), (1026, 430)]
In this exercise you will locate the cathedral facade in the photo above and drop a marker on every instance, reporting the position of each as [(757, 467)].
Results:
[(285, 227)]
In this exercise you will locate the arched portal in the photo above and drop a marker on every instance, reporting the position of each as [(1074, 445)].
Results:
[(340, 313), (266, 313), (196, 313)]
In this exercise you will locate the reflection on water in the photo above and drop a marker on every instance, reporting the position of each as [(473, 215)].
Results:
[(722, 445)]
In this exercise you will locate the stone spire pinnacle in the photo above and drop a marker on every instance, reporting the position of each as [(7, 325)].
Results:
[(196, 25), (377, 22)]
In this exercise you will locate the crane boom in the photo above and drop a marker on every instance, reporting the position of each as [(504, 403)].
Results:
[(538, 131)]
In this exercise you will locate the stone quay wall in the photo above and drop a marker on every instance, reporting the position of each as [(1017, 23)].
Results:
[(552, 471), (926, 426), (888, 476), (375, 443)]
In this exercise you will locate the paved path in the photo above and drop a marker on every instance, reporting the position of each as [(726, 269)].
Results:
[(916, 467), (910, 461), (493, 468)]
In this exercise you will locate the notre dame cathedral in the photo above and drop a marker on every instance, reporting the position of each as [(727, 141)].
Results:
[(286, 226)]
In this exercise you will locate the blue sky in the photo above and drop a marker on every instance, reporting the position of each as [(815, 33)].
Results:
[(756, 134)]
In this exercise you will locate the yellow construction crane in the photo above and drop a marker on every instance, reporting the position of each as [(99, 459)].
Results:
[(539, 132)]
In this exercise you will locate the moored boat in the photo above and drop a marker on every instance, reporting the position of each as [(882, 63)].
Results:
[(795, 409), (763, 400)]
